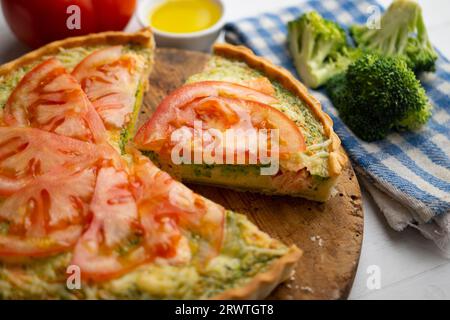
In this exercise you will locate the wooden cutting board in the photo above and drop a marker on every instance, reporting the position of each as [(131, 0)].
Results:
[(329, 234)]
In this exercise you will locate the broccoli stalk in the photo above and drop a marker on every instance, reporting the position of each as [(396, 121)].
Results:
[(403, 33), (378, 94), (319, 48)]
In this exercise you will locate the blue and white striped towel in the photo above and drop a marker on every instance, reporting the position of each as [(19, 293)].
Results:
[(411, 169)]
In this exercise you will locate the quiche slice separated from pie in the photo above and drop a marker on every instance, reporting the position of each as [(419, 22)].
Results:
[(84, 216), (187, 134)]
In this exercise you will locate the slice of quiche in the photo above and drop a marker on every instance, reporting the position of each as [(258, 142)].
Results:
[(112, 69), (187, 134), (84, 217), (124, 229)]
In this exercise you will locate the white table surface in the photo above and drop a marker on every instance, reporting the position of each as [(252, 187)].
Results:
[(410, 266)]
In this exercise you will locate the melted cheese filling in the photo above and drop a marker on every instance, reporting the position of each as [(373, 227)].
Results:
[(246, 252)]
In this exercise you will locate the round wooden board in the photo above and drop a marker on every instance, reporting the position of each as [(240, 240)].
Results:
[(330, 234)]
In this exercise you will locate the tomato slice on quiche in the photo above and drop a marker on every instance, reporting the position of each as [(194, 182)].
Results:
[(27, 153), (110, 80), (50, 99), (143, 216), (48, 215), (220, 106), (164, 201), (110, 246)]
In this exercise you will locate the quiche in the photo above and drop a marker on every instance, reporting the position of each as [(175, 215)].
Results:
[(120, 61), (84, 215), (242, 93)]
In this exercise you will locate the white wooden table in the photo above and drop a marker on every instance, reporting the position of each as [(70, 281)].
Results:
[(411, 267)]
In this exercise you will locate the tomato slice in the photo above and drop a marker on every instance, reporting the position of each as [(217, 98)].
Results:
[(50, 99), (140, 217), (110, 80), (48, 215), (221, 106), (112, 244), (173, 203), (156, 131), (27, 153)]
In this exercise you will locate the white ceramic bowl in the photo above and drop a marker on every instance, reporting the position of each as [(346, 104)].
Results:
[(199, 41)]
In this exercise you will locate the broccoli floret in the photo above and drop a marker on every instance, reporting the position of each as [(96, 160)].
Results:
[(402, 33), (378, 94), (319, 48)]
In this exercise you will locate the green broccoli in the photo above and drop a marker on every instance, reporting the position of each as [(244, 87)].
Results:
[(402, 33), (378, 94), (319, 48)]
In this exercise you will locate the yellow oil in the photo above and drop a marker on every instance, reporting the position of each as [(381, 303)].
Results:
[(184, 16)]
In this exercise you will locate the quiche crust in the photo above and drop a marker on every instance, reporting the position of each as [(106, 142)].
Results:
[(143, 38), (264, 283), (337, 157)]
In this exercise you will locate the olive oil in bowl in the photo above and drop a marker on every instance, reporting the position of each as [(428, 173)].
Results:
[(185, 16), (183, 24)]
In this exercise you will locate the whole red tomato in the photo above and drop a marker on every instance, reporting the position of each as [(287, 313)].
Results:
[(37, 22)]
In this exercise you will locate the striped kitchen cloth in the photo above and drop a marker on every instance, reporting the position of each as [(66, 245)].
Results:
[(408, 174)]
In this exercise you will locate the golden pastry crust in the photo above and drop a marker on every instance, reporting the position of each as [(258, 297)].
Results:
[(143, 38), (261, 285), (337, 158)]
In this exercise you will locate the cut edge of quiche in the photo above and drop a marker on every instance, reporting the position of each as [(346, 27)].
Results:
[(311, 171), (250, 263)]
